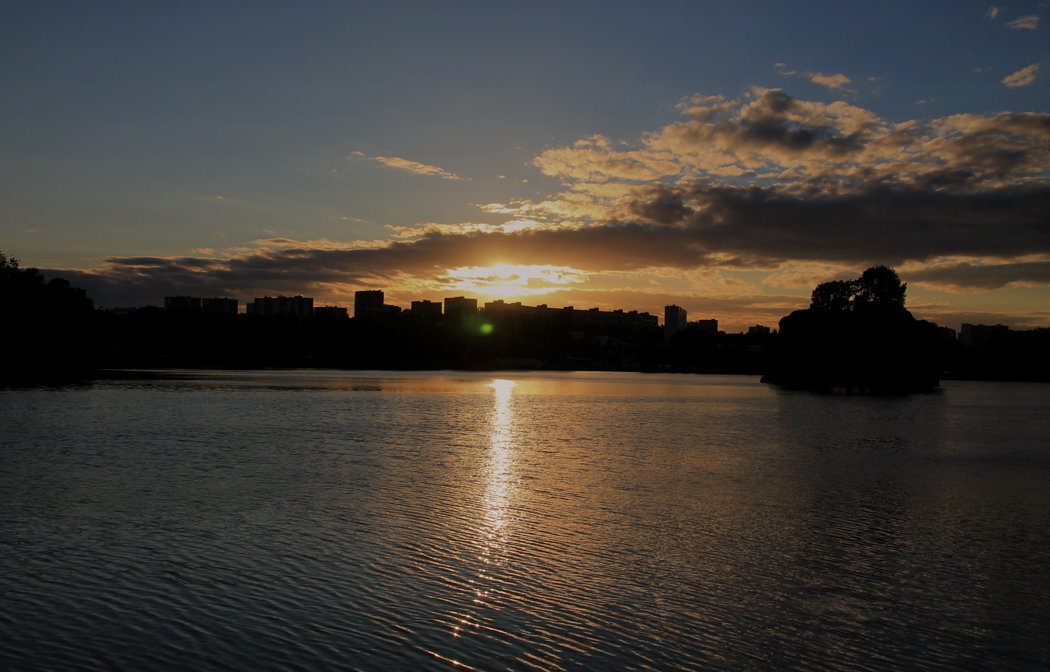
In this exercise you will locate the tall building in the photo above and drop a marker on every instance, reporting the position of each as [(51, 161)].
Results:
[(674, 320), (300, 307), (426, 309), (610, 319), (459, 306), (974, 335), (368, 302), (501, 306), (331, 313), (708, 326), (219, 306)]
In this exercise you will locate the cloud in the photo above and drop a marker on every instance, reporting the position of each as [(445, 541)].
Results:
[(835, 82), (807, 146), (317, 244), (1022, 77), (768, 226), (411, 166), (460, 228), (1029, 22), (594, 158), (984, 276), (765, 182), (695, 227), (993, 12)]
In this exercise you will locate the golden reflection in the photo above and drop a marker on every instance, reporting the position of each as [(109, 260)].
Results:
[(499, 482), (502, 417), (496, 473), (498, 468)]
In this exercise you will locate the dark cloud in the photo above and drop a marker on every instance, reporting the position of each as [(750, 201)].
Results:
[(772, 122), (727, 226), (878, 223), (166, 262), (984, 276), (659, 205), (146, 280), (999, 146), (774, 128), (776, 131)]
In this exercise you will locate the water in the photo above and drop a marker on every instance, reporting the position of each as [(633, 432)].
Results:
[(540, 521)]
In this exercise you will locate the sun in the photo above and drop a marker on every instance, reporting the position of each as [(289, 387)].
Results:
[(507, 280)]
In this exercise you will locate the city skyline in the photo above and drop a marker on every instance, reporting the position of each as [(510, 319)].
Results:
[(429, 308), (372, 302), (719, 157)]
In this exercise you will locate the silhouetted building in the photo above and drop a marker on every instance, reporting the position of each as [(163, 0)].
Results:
[(368, 302), (459, 306), (499, 305), (591, 318), (219, 306), (299, 307), (976, 335), (426, 309), (331, 313), (182, 304), (707, 326), (611, 319), (674, 320), (758, 330)]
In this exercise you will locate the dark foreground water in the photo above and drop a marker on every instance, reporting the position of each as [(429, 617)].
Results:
[(377, 521)]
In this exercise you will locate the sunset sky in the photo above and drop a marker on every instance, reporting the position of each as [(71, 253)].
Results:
[(724, 156)]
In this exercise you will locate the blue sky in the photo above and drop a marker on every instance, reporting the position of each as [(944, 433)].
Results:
[(724, 156)]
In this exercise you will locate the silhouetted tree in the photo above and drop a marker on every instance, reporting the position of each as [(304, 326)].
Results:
[(49, 326), (8, 266), (877, 286), (881, 286), (834, 296), (857, 336)]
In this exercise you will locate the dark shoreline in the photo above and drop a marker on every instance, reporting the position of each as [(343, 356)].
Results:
[(87, 378)]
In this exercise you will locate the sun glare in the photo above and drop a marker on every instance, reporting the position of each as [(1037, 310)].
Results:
[(514, 279)]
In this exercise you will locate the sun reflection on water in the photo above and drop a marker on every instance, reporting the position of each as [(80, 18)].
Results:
[(498, 473)]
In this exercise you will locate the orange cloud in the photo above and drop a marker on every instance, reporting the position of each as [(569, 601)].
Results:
[(410, 166), (835, 82), (1022, 77), (1029, 22)]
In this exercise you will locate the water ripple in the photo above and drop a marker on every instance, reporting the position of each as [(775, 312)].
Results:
[(268, 521)]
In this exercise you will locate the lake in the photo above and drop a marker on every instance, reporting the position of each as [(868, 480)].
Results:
[(306, 520)]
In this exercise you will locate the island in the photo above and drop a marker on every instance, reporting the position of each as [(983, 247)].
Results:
[(857, 337)]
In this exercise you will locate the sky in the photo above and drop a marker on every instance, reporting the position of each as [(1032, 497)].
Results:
[(724, 156)]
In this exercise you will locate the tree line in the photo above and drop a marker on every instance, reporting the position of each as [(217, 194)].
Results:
[(856, 335)]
